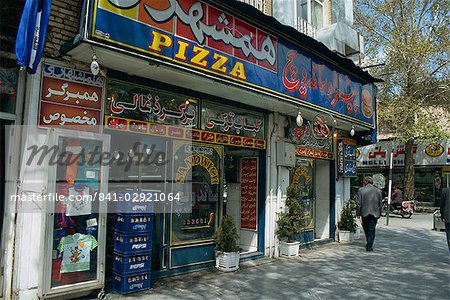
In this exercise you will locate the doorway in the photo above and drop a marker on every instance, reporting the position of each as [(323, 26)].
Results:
[(303, 175), (241, 195)]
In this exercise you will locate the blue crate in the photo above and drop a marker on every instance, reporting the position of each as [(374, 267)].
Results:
[(132, 264), (132, 243), (127, 223), (129, 202), (125, 284)]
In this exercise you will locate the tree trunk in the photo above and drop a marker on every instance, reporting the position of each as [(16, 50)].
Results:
[(409, 171)]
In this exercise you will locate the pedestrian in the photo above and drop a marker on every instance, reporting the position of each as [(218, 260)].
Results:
[(397, 197), (368, 207), (445, 212)]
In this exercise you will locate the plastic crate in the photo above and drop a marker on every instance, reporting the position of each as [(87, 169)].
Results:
[(131, 203), (125, 284), (132, 243), (127, 223), (132, 264)]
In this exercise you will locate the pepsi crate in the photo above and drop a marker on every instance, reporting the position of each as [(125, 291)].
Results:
[(127, 202), (125, 264), (127, 223), (132, 243), (125, 284)]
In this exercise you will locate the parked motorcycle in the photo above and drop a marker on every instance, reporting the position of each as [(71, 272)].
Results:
[(405, 211)]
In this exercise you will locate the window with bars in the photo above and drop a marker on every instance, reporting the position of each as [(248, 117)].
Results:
[(259, 4), (311, 11)]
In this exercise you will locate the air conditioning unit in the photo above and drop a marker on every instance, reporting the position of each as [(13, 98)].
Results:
[(285, 154)]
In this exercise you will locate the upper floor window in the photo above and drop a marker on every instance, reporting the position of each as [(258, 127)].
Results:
[(311, 11)]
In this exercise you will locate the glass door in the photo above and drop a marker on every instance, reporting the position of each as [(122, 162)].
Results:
[(303, 176), (76, 221), (197, 176)]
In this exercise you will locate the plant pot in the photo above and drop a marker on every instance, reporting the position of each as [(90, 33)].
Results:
[(227, 261), (345, 236), (357, 234), (289, 249)]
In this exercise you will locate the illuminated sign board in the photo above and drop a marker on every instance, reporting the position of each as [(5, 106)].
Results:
[(202, 37)]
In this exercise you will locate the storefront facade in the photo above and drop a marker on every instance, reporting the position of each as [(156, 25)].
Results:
[(195, 101), (431, 166)]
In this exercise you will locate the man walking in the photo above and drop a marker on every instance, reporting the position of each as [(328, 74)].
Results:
[(368, 207), (445, 212)]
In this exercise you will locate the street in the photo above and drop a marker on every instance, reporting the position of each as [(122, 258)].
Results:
[(410, 261)]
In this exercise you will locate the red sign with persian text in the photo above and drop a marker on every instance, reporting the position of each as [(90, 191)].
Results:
[(155, 129), (53, 115), (70, 97), (249, 193)]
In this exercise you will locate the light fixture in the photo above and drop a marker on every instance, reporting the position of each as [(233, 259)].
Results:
[(95, 67), (187, 102), (116, 154), (335, 134), (299, 119), (352, 131)]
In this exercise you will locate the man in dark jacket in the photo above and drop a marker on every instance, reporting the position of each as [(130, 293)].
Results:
[(368, 207), (445, 212)]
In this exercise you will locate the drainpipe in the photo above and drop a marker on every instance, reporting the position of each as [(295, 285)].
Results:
[(17, 145), (278, 207), (269, 185), (272, 164), (278, 185)]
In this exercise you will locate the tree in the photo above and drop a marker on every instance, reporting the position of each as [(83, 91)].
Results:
[(412, 38)]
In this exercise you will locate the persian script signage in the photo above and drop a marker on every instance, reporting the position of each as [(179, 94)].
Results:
[(423, 154), (70, 98), (184, 133), (141, 103), (204, 38), (313, 139), (230, 120), (346, 157), (249, 193)]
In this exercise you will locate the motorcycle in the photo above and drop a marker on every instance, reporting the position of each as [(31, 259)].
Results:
[(405, 211)]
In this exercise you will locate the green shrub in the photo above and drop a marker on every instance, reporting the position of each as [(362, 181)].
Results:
[(347, 221), (289, 221), (226, 235)]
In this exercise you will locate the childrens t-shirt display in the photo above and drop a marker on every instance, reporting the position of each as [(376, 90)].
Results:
[(76, 251), (77, 203)]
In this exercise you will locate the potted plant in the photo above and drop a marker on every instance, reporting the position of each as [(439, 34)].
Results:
[(227, 250), (347, 224), (289, 223)]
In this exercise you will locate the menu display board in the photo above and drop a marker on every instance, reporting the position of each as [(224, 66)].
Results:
[(249, 192), (346, 157)]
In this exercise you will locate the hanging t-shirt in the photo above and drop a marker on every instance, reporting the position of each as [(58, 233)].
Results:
[(76, 251), (77, 205)]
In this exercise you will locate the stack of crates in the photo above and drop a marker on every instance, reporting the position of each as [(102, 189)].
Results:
[(132, 252)]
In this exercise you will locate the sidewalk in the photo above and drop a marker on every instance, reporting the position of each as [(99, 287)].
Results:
[(418, 267)]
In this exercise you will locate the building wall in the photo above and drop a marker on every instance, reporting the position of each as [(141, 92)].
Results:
[(65, 17)]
